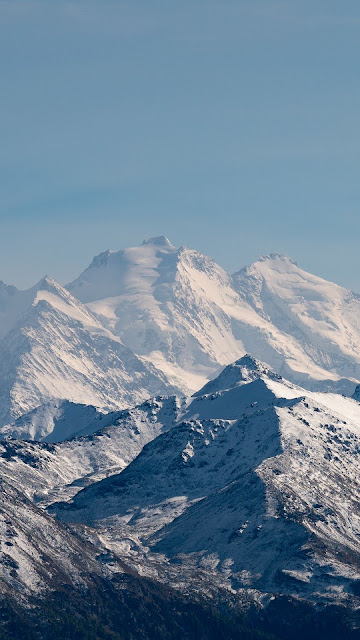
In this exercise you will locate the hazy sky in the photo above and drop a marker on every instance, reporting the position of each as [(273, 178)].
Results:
[(230, 127)]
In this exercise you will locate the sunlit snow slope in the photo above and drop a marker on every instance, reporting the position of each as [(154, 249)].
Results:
[(184, 313), (53, 347), (155, 319), (322, 317)]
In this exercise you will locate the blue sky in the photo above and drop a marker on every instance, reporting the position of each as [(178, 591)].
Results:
[(230, 127)]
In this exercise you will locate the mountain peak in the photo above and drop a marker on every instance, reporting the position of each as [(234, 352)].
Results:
[(8, 288), (246, 369), (159, 241), (272, 262), (45, 282), (277, 257), (49, 284), (100, 260), (252, 368), (250, 363)]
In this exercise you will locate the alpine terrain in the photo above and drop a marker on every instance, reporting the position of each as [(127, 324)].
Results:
[(186, 315), (53, 347), (179, 452)]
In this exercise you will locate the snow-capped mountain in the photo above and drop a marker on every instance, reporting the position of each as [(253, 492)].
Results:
[(166, 304), (247, 491), (53, 347), (259, 484), (157, 319), (249, 487), (183, 312), (322, 317)]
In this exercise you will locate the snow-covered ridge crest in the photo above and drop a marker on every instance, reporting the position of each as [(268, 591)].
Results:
[(49, 291), (159, 241), (83, 447), (276, 257), (54, 421), (240, 372)]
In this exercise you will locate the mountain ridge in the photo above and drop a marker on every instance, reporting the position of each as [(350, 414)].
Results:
[(249, 483), (177, 318), (195, 317), (246, 492)]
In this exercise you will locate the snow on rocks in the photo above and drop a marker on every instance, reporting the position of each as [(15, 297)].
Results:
[(271, 490), (48, 472), (37, 553)]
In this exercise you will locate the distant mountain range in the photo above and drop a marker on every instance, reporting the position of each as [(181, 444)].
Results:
[(183, 312), (156, 319)]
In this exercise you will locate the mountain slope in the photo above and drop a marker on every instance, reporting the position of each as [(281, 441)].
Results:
[(164, 303), (55, 348), (48, 472), (257, 498), (323, 317), (183, 312), (54, 421), (55, 584), (37, 553)]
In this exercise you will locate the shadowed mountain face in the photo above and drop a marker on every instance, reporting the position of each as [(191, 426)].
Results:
[(356, 395), (256, 496)]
